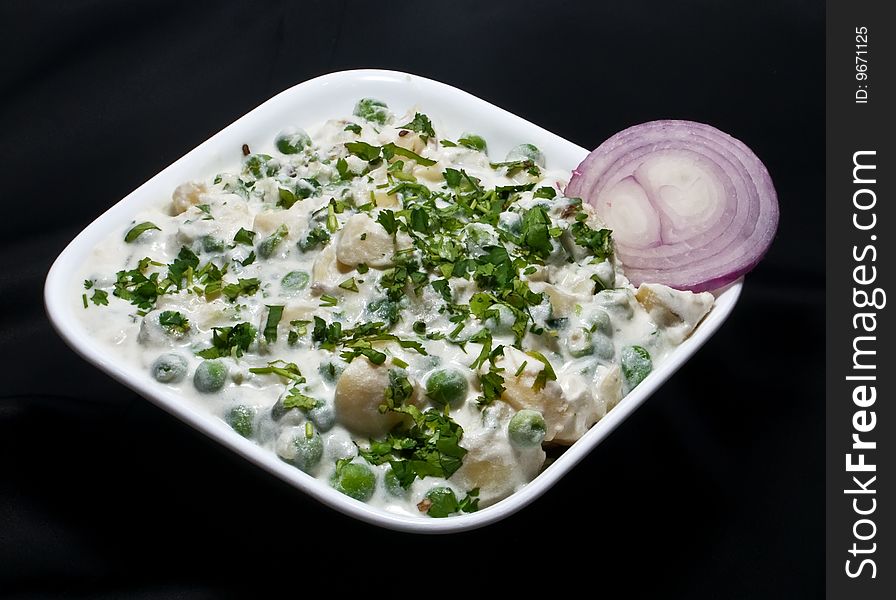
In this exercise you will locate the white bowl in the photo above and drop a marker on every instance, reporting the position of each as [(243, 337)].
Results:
[(313, 101)]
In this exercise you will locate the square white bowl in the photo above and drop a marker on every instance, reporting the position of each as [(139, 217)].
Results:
[(305, 104)]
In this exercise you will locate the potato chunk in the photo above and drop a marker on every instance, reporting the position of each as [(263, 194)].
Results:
[(678, 312), (492, 464), (359, 393), (363, 240), (186, 195), (327, 272), (568, 413)]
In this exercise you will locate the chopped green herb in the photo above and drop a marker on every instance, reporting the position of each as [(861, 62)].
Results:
[(244, 236), (598, 241), (230, 341), (429, 448), (138, 229), (363, 150), (316, 237), (100, 297), (282, 368), (545, 192), (473, 141), (243, 287), (349, 284), (390, 150), (174, 322), (249, 259), (275, 313), (386, 218), (422, 125), (546, 374)]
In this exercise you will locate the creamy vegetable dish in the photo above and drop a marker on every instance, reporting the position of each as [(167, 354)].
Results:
[(395, 313)]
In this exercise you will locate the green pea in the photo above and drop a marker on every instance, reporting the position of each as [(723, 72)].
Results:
[(295, 281), (261, 165), (442, 502), (169, 368), (242, 418), (330, 371), (385, 310), (447, 386), (603, 347), (211, 244), (278, 411), (210, 376), (526, 429), (617, 303), (323, 416), (307, 187), (526, 152), (269, 244), (600, 321), (301, 447), (356, 480), (292, 140), (393, 485), (580, 343), (636, 365), (473, 141), (372, 109)]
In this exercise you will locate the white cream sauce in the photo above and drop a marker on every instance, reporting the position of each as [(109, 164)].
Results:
[(583, 334)]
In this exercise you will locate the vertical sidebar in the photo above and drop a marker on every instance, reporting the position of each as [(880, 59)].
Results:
[(860, 370)]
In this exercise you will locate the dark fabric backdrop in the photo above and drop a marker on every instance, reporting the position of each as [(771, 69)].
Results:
[(713, 489)]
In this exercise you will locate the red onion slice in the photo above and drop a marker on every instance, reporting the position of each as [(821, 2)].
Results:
[(690, 206)]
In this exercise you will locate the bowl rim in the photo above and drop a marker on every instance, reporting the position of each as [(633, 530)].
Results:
[(58, 286)]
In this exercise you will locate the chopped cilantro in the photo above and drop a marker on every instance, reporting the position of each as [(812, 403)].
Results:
[(182, 268), (174, 322), (422, 125), (545, 192), (243, 287), (546, 374), (598, 241), (386, 218), (327, 300), (282, 368), (349, 284), (275, 313), (100, 297), (363, 150), (429, 448), (353, 127), (249, 259), (230, 341), (390, 150), (244, 236), (296, 399), (138, 229), (315, 237)]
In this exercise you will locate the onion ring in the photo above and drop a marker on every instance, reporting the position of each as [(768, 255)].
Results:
[(690, 206)]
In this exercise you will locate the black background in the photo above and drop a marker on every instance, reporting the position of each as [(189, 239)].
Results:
[(714, 488)]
